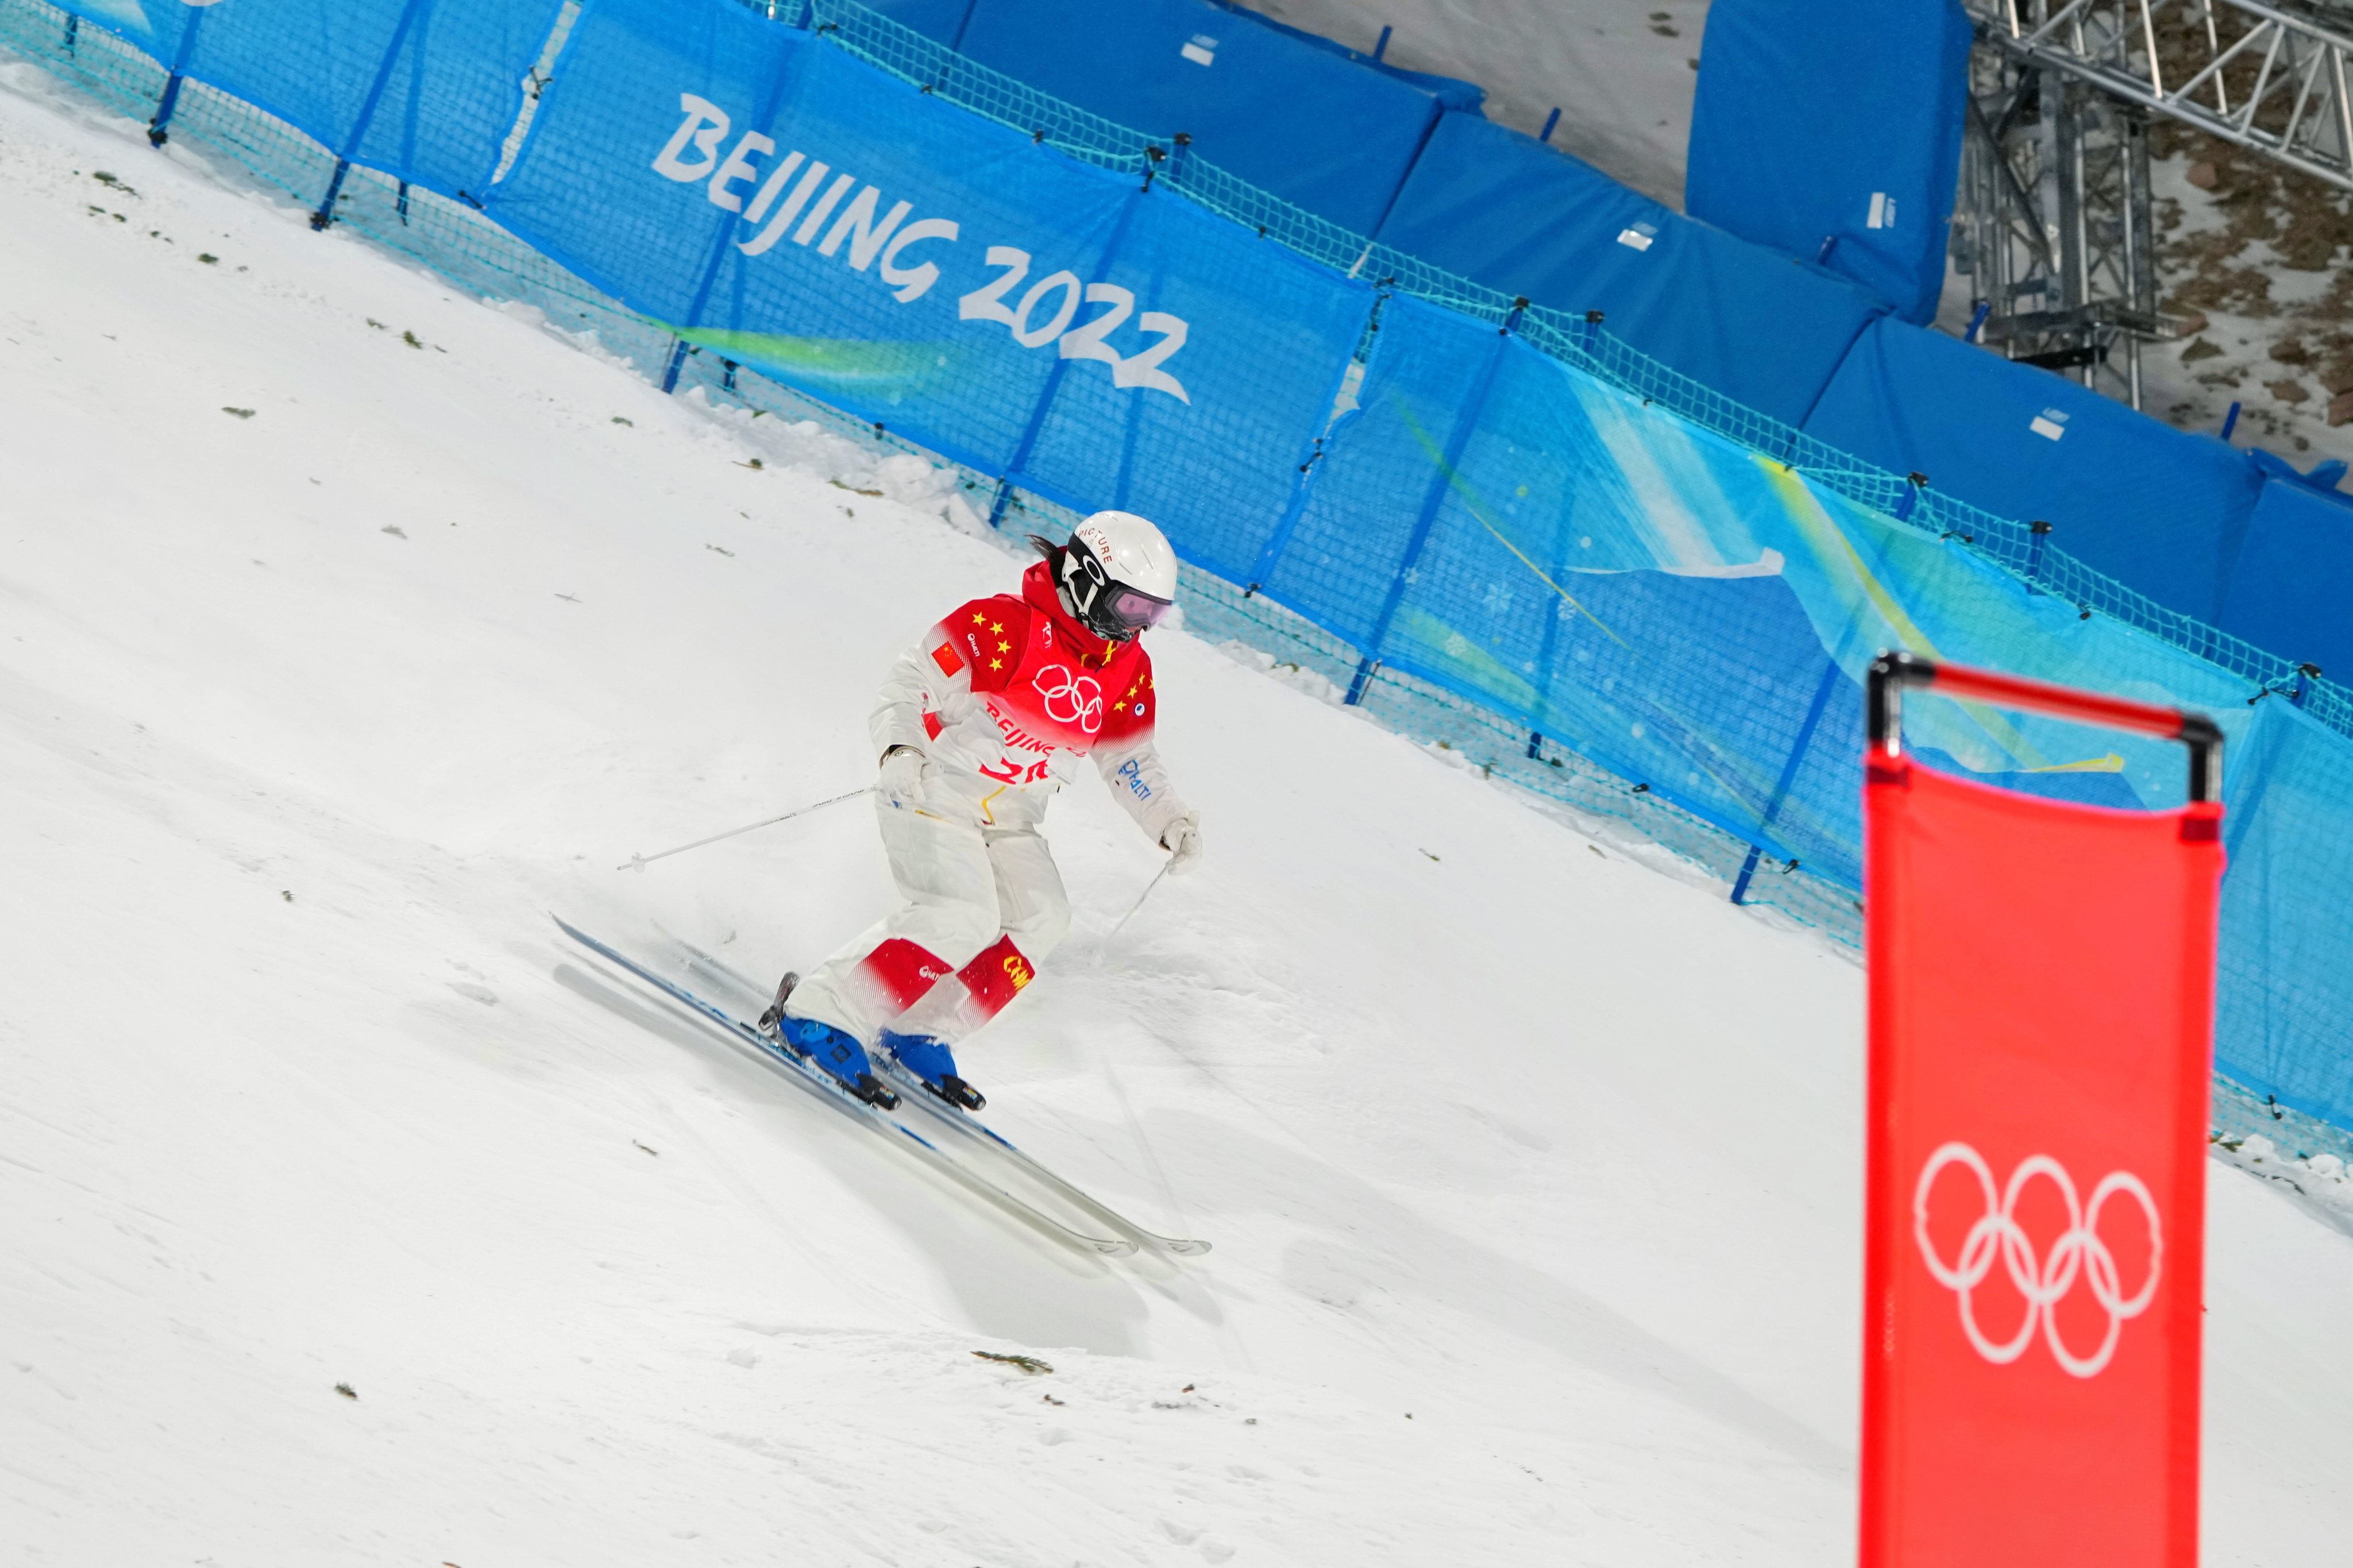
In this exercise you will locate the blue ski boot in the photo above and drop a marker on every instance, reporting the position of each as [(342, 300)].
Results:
[(931, 1060), (838, 1053)]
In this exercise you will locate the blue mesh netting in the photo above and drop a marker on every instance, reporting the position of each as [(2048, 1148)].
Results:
[(1502, 531), (1288, 329), (422, 90), (454, 90)]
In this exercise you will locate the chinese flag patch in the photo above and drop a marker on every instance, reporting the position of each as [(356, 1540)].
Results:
[(945, 656)]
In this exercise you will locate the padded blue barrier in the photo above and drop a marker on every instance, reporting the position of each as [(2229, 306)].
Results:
[(2292, 589), (1452, 93), (2157, 509), (1299, 121), (940, 20), (1835, 123), (2322, 477), (1502, 208)]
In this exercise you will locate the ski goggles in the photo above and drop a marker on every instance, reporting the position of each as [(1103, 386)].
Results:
[(1133, 609)]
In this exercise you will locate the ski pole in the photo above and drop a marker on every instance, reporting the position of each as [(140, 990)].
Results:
[(640, 862), (1139, 901)]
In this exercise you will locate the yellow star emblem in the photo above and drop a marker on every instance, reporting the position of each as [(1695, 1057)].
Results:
[(1005, 647), (997, 664), (1119, 707), (994, 626), (978, 617)]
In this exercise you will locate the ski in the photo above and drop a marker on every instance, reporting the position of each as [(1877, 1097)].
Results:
[(911, 1091), (834, 1093)]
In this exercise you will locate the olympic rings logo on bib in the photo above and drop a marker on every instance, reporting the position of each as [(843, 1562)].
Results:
[(2078, 1255), (1070, 700)]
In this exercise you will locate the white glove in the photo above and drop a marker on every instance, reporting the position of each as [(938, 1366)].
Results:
[(1183, 842), (902, 783)]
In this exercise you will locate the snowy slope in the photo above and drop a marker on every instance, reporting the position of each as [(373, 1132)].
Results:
[(1533, 1175)]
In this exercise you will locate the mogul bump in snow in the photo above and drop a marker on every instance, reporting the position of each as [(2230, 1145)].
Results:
[(973, 727)]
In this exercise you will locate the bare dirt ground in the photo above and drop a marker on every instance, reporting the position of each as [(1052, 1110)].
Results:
[(2255, 255)]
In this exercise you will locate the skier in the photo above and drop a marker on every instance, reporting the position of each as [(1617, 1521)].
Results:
[(973, 726)]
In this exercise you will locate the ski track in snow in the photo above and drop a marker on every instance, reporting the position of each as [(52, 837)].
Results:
[(306, 719)]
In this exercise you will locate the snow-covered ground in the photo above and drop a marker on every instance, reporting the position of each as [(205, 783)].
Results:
[(2255, 254), (348, 625)]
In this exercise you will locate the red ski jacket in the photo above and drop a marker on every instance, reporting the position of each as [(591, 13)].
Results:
[(1008, 686)]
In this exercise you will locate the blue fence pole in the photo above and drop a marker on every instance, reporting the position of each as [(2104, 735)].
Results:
[(2042, 532), (1552, 628), (679, 347), (1747, 870), (1435, 496), (1830, 680), (326, 213), (962, 22), (1914, 483), (159, 129)]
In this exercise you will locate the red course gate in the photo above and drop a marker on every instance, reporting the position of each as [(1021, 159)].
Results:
[(2042, 1002)]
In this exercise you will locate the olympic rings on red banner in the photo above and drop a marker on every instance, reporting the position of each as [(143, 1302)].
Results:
[(2078, 1253)]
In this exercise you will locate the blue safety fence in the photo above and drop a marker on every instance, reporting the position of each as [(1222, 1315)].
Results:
[(1500, 526), (1815, 222), (425, 91)]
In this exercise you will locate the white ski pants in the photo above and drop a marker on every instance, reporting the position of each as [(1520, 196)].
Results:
[(981, 906)]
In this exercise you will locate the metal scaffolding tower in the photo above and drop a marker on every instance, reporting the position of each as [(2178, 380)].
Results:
[(2052, 221)]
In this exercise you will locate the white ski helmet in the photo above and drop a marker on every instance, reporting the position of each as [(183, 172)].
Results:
[(1117, 574)]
